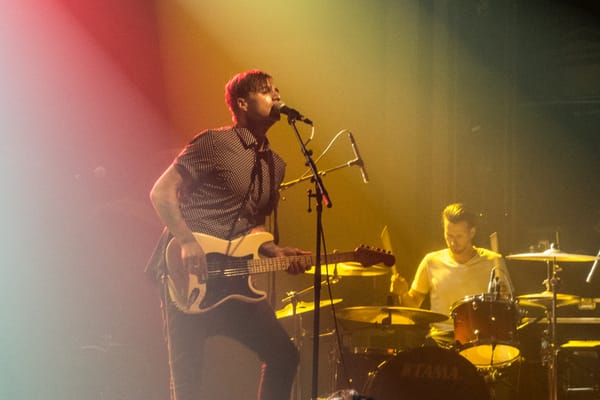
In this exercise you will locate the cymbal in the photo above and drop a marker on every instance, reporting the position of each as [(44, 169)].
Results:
[(545, 299), (553, 254), (349, 269), (399, 315), (302, 307)]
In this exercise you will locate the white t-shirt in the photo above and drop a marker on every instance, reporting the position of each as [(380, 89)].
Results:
[(449, 282)]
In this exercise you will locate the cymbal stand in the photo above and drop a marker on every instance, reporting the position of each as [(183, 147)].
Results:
[(299, 333), (549, 345)]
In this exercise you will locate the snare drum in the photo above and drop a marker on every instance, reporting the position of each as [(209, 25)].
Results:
[(485, 329), (366, 347), (431, 373)]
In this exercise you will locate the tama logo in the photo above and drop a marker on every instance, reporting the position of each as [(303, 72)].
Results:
[(430, 371)]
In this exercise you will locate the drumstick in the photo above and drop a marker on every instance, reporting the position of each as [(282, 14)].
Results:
[(494, 242), (386, 242)]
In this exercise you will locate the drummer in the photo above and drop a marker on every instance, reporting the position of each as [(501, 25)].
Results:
[(453, 273)]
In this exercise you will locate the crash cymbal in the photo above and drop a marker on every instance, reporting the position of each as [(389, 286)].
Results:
[(350, 269), (390, 315), (553, 254), (544, 299), (302, 307)]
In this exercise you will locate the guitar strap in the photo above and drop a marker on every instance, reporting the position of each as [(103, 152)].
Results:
[(273, 197), (253, 176)]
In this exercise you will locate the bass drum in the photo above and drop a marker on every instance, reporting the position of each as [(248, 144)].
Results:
[(426, 373)]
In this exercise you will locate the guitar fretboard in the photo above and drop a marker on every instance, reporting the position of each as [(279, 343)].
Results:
[(262, 265)]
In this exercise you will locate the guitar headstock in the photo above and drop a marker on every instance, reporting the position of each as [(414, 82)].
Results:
[(368, 256)]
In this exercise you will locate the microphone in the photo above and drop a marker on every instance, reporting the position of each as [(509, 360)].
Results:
[(358, 159), (291, 113)]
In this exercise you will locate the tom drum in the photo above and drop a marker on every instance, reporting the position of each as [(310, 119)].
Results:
[(485, 329)]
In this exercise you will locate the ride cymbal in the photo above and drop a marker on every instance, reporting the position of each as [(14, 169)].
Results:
[(390, 315), (545, 299), (552, 254)]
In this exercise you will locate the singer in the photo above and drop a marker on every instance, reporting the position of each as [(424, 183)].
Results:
[(224, 184), (450, 274)]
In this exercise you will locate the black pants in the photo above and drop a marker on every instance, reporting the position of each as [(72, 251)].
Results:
[(252, 324)]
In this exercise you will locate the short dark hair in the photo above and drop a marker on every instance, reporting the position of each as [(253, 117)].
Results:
[(457, 212), (242, 84)]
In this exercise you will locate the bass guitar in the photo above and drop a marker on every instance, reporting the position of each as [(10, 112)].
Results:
[(231, 264)]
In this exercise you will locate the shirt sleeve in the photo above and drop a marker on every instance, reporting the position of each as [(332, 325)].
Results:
[(421, 281), (197, 158)]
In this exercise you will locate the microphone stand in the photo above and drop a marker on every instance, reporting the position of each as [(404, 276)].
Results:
[(321, 196), (288, 184)]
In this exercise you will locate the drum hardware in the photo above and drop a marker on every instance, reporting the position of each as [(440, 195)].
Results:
[(561, 320), (380, 339), (358, 365), (549, 347), (345, 394), (525, 322), (295, 309), (588, 303)]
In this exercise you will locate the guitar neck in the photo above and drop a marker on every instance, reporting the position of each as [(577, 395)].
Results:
[(263, 265)]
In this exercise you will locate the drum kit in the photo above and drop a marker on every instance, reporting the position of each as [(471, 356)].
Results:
[(483, 346)]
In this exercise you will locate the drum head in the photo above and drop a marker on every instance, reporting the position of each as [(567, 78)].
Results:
[(426, 373), (487, 356)]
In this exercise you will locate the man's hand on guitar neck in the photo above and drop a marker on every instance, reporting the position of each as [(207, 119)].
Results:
[(297, 266)]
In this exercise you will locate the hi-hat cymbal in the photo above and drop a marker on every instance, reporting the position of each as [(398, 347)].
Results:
[(553, 254), (544, 299), (302, 307), (390, 315), (349, 269)]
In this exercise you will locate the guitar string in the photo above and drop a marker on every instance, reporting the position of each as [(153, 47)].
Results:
[(247, 267)]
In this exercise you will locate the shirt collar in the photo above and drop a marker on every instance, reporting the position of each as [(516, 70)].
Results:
[(248, 139)]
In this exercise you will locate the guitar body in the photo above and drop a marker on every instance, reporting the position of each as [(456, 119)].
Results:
[(192, 296)]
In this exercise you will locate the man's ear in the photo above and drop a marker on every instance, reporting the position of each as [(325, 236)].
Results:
[(472, 231), (242, 103)]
